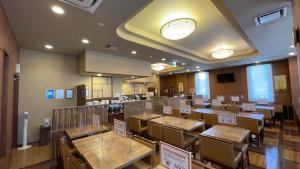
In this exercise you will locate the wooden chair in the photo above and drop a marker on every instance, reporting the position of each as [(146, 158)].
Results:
[(177, 138), (243, 148), (74, 163), (195, 116), (268, 116), (155, 131), (253, 126), (233, 109), (198, 106), (176, 113), (218, 107), (210, 119), (135, 126), (278, 109), (220, 152), (149, 160)]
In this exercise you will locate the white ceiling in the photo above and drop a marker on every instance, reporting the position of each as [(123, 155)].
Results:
[(34, 25)]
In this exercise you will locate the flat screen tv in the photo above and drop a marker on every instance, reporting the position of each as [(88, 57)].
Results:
[(226, 78)]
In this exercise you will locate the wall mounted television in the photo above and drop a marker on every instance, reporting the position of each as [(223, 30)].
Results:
[(226, 78)]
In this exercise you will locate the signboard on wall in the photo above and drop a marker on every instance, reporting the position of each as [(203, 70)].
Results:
[(235, 98), (220, 98), (120, 128), (167, 110), (216, 102), (249, 107), (227, 118), (172, 157)]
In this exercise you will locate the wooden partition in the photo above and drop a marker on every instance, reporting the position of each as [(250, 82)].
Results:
[(70, 117), (174, 102), (158, 103)]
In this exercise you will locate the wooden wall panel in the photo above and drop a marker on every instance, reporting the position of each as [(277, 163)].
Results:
[(294, 81), (167, 82), (8, 44)]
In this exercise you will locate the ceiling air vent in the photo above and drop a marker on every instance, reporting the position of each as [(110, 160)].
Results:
[(270, 16), (87, 5), (112, 47)]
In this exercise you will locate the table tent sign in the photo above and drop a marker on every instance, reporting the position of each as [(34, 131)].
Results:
[(227, 118), (186, 109), (216, 102), (235, 98), (249, 106), (167, 110), (221, 98), (148, 105), (120, 127), (172, 157)]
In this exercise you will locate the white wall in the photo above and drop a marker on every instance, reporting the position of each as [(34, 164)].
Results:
[(40, 71)]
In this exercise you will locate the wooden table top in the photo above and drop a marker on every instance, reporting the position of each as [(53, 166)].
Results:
[(253, 115), (208, 111), (78, 132), (146, 116), (179, 123), (228, 133), (108, 150)]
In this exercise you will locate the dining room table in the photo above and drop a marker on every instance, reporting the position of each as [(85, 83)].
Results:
[(110, 151), (78, 132), (228, 133), (146, 116), (178, 123)]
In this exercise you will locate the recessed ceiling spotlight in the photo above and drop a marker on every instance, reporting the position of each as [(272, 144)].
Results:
[(292, 53), (58, 10), (132, 77), (151, 56), (197, 67), (183, 64), (257, 62), (178, 28), (163, 59), (47, 46), (99, 74), (170, 73), (198, 70), (101, 24), (292, 46), (85, 41), (133, 52), (188, 70)]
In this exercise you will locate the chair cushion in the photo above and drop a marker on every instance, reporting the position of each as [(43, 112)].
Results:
[(241, 147)]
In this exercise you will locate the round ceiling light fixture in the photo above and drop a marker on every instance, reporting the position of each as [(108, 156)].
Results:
[(158, 66), (222, 53), (178, 28)]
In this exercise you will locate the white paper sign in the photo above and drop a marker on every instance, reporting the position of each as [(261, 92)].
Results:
[(167, 110), (235, 98), (185, 109), (96, 120), (227, 118), (249, 107), (148, 105), (216, 102), (172, 157), (220, 98), (199, 101), (120, 127)]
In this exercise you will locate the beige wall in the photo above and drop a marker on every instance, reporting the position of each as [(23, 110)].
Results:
[(40, 71)]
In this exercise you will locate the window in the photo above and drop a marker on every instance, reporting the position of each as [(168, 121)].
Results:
[(260, 83), (202, 84)]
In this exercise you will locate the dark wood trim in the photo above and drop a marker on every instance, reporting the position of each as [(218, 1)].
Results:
[(15, 112)]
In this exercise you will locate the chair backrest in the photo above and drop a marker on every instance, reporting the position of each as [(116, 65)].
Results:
[(73, 163), (134, 124), (233, 109), (155, 131), (278, 108), (149, 144), (176, 113), (218, 151), (218, 107), (195, 116), (267, 114), (173, 136), (65, 152), (210, 119), (250, 124)]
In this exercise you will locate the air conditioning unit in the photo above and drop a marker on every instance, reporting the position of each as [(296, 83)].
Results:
[(270, 16), (87, 5)]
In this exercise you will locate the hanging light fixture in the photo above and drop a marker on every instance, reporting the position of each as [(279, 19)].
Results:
[(178, 28), (158, 66), (222, 53)]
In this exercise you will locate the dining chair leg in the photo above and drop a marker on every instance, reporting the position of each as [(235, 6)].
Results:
[(248, 159)]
